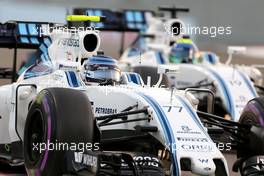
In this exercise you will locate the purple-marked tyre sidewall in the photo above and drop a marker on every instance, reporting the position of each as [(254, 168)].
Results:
[(58, 115), (41, 113), (253, 113)]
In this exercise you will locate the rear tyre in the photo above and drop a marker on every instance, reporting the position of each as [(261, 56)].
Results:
[(57, 116)]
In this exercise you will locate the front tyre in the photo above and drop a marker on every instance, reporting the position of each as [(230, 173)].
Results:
[(253, 112), (250, 163), (58, 117)]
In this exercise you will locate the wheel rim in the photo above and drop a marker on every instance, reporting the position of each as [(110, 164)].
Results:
[(36, 136)]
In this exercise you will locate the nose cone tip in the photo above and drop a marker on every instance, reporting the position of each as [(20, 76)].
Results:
[(203, 166)]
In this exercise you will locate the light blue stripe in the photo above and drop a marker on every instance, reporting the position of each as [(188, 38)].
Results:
[(249, 85), (128, 77), (166, 126), (47, 42), (158, 57), (130, 16), (138, 17), (24, 39), (90, 12), (42, 57), (22, 29), (98, 12), (227, 94), (33, 29), (43, 48), (131, 25), (139, 26), (34, 40)]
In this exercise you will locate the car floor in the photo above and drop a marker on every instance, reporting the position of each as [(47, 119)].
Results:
[(20, 171)]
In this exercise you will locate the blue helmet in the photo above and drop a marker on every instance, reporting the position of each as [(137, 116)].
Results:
[(102, 70)]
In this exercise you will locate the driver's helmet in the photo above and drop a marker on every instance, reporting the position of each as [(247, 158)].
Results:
[(184, 51), (101, 70)]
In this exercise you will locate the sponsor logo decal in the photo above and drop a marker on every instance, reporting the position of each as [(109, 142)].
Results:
[(61, 66), (235, 82), (69, 42), (197, 148), (85, 159), (186, 130), (187, 139), (101, 110), (202, 160), (146, 161)]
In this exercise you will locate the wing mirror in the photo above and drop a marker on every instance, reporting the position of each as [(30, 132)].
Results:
[(166, 69), (234, 50)]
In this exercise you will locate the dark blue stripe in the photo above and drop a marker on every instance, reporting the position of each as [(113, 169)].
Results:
[(69, 79), (166, 126), (74, 80), (138, 78), (133, 78), (159, 57)]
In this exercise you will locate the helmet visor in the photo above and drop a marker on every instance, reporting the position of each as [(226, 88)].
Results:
[(101, 73)]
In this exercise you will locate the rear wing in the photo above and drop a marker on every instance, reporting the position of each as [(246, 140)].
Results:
[(126, 20), (20, 35), (173, 10)]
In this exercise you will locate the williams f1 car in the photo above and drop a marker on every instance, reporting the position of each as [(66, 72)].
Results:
[(73, 112), (156, 46)]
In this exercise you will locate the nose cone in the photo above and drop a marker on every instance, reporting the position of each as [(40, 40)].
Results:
[(203, 166)]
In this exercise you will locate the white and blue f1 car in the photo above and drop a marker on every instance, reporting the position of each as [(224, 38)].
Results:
[(233, 85), (71, 97)]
